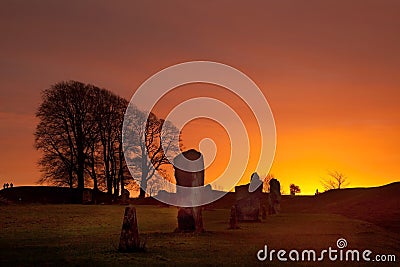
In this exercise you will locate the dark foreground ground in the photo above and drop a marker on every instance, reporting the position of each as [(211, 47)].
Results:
[(34, 234), (88, 235)]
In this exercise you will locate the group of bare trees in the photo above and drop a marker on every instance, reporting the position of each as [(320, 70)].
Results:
[(79, 133), (80, 136)]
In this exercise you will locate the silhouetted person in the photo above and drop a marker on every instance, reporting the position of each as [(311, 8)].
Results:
[(7, 185), (4, 186), (316, 192), (11, 185)]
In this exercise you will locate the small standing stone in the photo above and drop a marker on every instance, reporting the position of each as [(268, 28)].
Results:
[(129, 240), (233, 218), (274, 198), (263, 212)]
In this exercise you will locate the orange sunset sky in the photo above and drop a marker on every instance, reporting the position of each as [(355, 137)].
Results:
[(329, 70)]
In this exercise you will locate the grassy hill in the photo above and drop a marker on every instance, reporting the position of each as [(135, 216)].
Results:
[(379, 205)]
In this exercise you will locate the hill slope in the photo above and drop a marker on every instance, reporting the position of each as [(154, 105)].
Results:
[(379, 205), (48, 195)]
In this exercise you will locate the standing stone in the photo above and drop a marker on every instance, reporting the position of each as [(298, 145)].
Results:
[(233, 218), (189, 218), (274, 198), (129, 240), (248, 204), (263, 212), (186, 221)]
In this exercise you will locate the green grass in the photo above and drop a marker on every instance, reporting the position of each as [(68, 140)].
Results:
[(89, 235)]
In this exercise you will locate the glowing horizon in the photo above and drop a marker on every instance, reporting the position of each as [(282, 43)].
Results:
[(328, 70)]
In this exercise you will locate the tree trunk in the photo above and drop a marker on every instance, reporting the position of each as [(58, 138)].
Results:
[(121, 180), (80, 168), (142, 193), (143, 182), (108, 177), (80, 156), (94, 175), (116, 186), (71, 178), (95, 186), (81, 179), (121, 167)]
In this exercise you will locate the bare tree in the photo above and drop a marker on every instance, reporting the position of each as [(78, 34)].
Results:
[(336, 180), (155, 185), (58, 162), (143, 145), (65, 125), (266, 181)]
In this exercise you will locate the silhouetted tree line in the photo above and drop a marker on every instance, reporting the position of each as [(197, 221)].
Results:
[(80, 135)]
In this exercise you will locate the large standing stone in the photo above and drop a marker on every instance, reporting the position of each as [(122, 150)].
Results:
[(274, 198), (129, 240), (248, 204), (189, 218)]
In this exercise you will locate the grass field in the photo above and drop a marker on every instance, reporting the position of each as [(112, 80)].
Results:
[(89, 234)]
